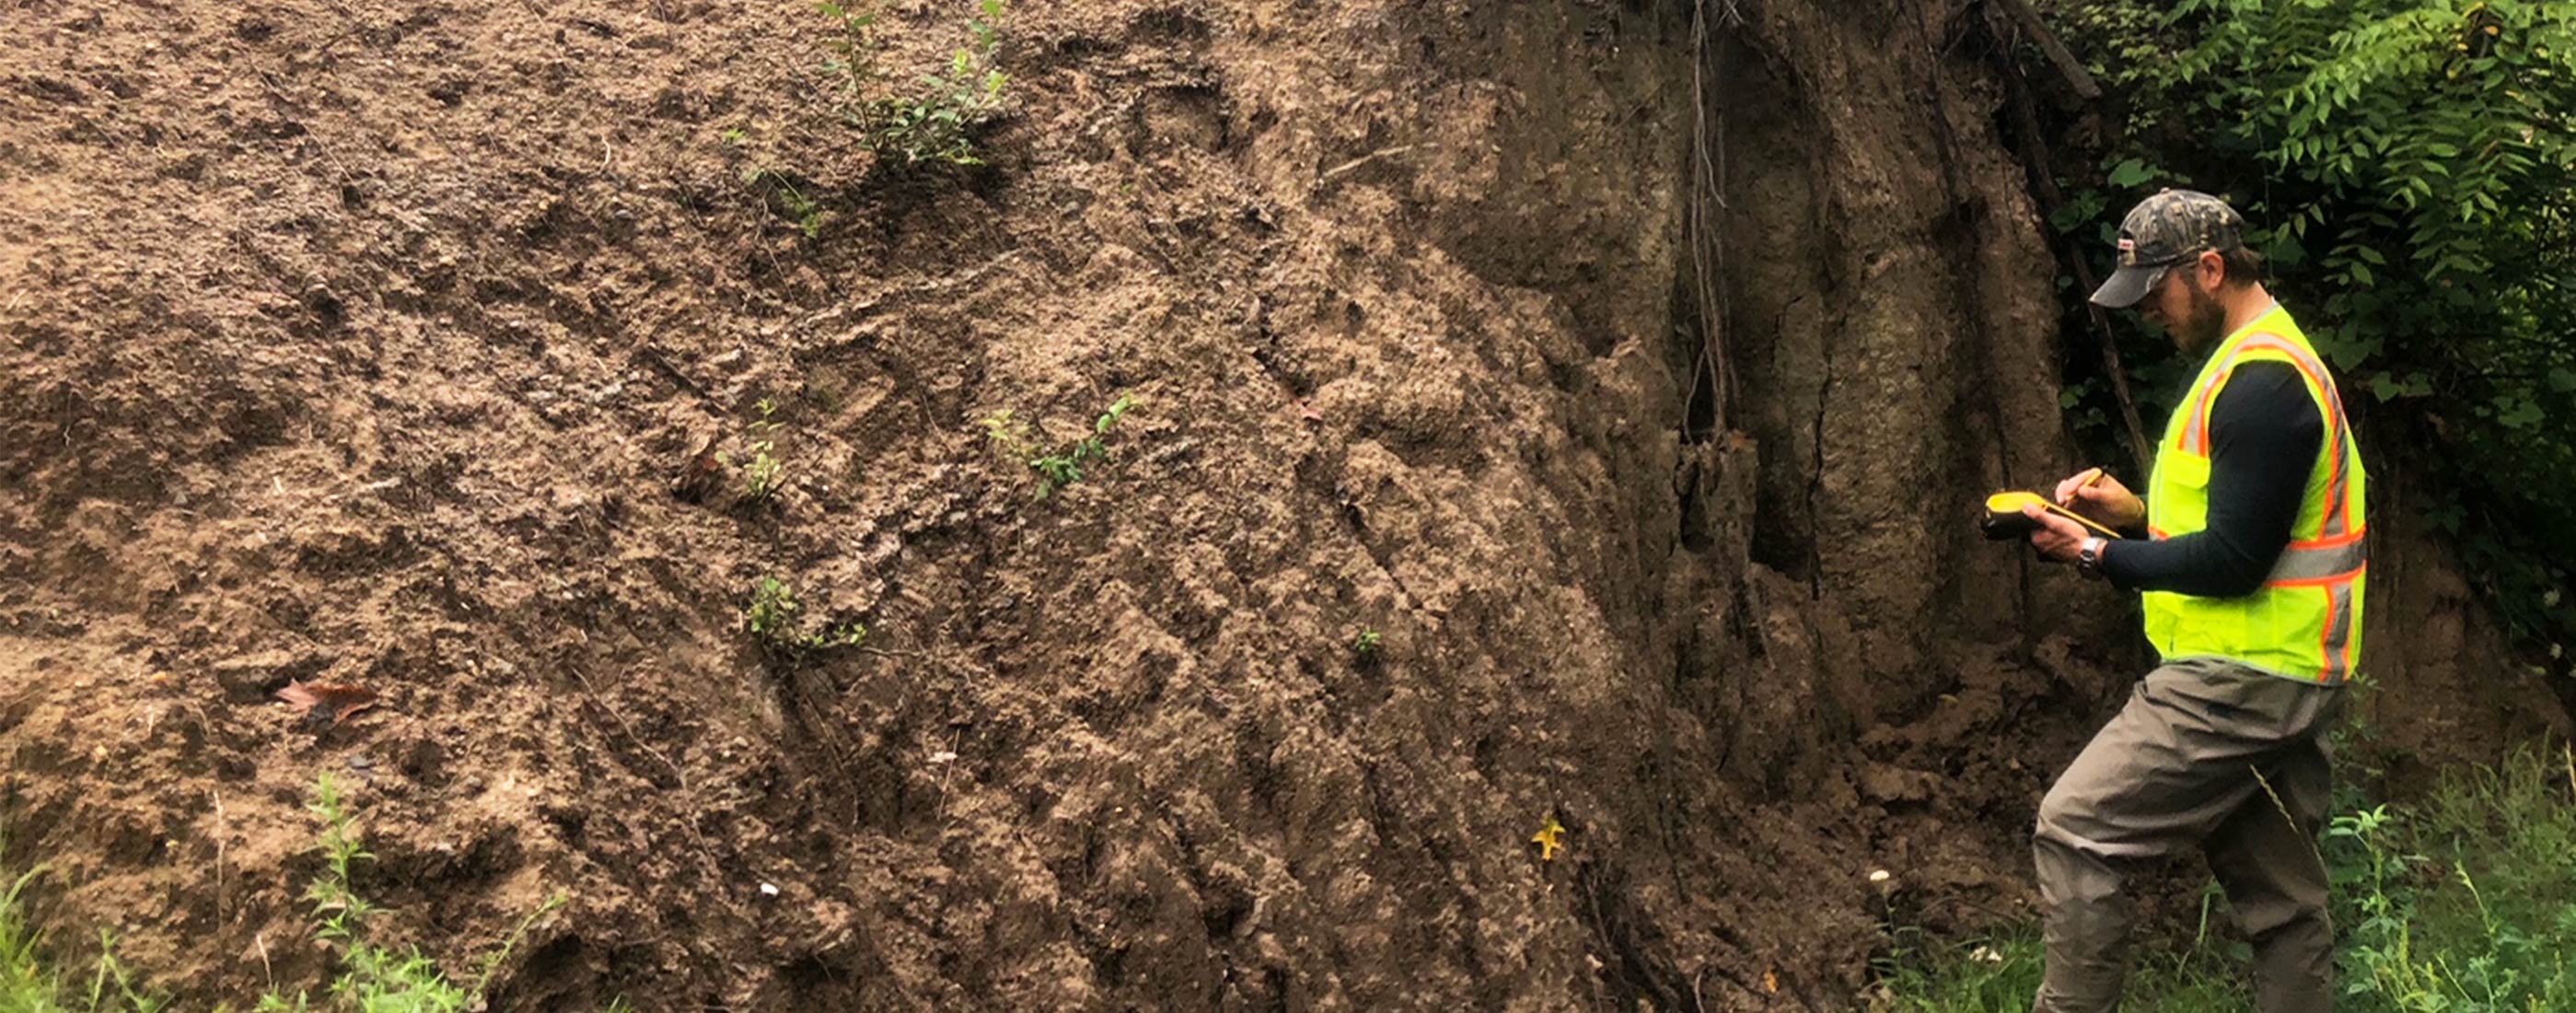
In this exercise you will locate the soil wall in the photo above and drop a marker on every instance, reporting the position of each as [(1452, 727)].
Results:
[(383, 346)]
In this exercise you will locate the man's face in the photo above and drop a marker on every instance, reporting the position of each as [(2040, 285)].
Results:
[(2185, 307)]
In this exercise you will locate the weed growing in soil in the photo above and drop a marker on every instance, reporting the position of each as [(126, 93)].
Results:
[(1364, 644), (776, 189), (854, 45), (760, 471), (776, 618), (774, 611), (1064, 465), (936, 120), (792, 202), (26, 987), (373, 977), (2459, 903)]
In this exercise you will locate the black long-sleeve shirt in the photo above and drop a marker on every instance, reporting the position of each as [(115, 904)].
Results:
[(2264, 432)]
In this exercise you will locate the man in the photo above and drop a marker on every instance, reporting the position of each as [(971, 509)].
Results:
[(2251, 564)]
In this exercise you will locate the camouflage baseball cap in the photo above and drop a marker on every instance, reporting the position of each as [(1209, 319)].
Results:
[(2171, 227)]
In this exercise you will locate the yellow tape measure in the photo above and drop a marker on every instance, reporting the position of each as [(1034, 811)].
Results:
[(2004, 518)]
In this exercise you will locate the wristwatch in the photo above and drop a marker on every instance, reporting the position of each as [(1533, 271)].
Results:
[(2088, 559)]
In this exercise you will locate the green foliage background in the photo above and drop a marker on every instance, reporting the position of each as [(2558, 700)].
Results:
[(2409, 167)]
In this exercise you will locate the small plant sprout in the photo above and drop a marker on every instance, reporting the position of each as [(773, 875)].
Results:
[(342, 915), (774, 611), (775, 618), (844, 634), (935, 121), (1064, 465), (1365, 643), (776, 190), (761, 469)]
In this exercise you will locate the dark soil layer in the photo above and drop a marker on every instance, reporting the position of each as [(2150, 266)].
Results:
[(370, 344)]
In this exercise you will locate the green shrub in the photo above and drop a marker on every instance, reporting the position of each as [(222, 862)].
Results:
[(2464, 903), (932, 121), (2409, 167)]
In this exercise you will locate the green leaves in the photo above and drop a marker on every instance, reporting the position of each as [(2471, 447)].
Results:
[(775, 618), (762, 469), (1063, 466), (2387, 386), (2514, 412), (373, 977), (936, 120), (2409, 168), (1365, 643), (2131, 173)]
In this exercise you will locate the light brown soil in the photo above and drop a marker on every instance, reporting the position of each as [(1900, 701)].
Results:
[(365, 344)]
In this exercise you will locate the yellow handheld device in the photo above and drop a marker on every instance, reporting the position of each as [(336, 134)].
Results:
[(2003, 518)]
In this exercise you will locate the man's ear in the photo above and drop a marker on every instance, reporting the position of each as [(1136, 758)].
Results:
[(2213, 271)]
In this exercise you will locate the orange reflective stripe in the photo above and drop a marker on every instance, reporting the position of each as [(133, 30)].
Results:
[(2338, 514), (2334, 642), (2331, 541), (2195, 436), (2195, 431)]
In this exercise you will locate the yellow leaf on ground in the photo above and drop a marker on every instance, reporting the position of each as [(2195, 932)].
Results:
[(1550, 840)]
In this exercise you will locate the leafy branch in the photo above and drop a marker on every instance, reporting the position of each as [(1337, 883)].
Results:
[(935, 120), (1062, 466)]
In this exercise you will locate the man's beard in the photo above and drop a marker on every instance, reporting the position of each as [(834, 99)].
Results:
[(2203, 322)]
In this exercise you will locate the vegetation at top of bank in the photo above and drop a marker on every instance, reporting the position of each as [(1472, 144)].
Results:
[(2409, 170)]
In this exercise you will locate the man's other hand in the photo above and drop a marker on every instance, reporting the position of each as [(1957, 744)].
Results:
[(2106, 501), (2056, 538)]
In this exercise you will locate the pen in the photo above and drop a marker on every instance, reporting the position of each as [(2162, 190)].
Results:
[(2098, 472)]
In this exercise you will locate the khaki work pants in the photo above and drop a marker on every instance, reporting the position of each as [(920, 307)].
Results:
[(2179, 766)]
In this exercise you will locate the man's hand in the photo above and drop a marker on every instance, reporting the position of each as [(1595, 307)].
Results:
[(2095, 494), (2056, 538)]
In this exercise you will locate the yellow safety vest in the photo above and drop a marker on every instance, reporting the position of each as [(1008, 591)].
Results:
[(2305, 621)]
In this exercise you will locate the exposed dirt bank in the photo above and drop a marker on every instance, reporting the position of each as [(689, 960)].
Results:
[(365, 345)]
